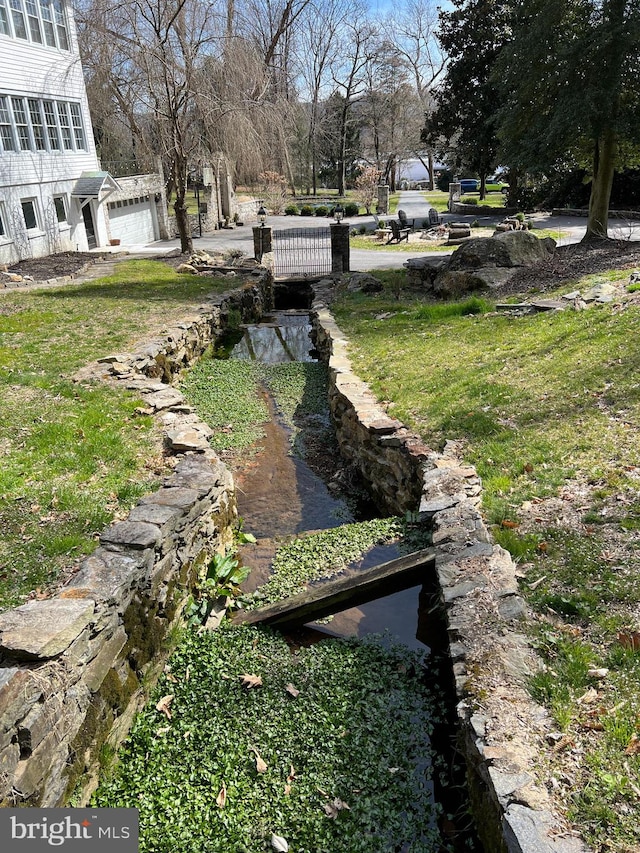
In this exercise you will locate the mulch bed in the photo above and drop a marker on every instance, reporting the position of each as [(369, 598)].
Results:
[(54, 266), (572, 262)]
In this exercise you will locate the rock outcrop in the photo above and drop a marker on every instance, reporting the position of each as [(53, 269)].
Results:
[(479, 264)]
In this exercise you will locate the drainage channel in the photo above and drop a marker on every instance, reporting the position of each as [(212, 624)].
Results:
[(282, 496)]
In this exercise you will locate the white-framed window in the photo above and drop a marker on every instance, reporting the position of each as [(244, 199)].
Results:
[(7, 135), (5, 29), (30, 214), (4, 228), (22, 124), (40, 21), (37, 124), (60, 204)]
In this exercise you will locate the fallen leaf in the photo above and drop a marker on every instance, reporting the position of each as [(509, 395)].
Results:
[(221, 799), (292, 691), (510, 525), (164, 704), (250, 681), (587, 698), (261, 765), (629, 640), (279, 843), (336, 805), (633, 747), (287, 790), (528, 467), (542, 546), (163, 730)]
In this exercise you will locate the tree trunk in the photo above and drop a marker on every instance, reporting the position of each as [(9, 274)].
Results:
[(432, 184), (604, 157), (182, 221)]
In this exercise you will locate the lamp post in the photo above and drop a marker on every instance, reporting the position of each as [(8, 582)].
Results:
[(261, 235), (338, 213), (262, 218)]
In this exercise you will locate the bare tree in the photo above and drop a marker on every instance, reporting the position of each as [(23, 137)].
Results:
[(158, 47), (358, 48), (317, 51), (412, 29)]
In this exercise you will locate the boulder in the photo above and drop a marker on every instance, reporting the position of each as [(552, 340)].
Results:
[(452, 284), (508, 249), (523, 248)]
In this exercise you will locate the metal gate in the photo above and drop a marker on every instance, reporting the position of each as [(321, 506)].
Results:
[(301, 253)]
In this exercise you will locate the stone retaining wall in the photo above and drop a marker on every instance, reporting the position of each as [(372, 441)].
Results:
[(74, 668), (501, 726)]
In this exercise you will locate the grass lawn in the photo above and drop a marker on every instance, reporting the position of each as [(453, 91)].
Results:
[(75, 455), (548, 408)]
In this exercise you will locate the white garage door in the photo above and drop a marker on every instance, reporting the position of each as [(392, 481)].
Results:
[(132, 221)]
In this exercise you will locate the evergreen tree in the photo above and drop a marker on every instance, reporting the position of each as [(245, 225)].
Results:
[(463, 129), (570, 93)]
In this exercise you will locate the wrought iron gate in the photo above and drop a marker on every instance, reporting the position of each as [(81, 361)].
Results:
[(301, 252)]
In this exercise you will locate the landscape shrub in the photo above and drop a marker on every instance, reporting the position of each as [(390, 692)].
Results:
[(306, 210), (469, 200), (351, 209), (291, 210), (322, 210), (362, 229)]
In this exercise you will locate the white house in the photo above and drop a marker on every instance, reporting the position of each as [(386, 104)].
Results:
[(53, 194)]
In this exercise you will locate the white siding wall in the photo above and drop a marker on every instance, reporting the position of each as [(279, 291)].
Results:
[(38, 71)]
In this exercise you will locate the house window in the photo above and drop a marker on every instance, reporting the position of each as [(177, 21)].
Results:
[(6, 127), (3, 221), (17, 16), (4, 19), (36, 124), (30, 214), (34, 21), (52, 126), (61, 209), (65, 125), (61, 25), (39, 21), (47, 23), (78, 129), (22, 123)]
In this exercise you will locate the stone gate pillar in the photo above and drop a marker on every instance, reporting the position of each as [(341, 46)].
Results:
[(339, 247), (383, 199), (261, 241)]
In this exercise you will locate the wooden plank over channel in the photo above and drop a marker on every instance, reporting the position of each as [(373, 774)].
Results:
[(351, 590)]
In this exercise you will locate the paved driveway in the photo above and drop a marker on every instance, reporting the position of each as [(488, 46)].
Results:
[(415, 206)]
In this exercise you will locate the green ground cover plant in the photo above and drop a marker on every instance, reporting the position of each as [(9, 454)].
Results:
[(326, 748), (75, 454), (548, 408), (226, 394)]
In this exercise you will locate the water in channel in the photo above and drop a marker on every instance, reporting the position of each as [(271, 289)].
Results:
[(280, 496)]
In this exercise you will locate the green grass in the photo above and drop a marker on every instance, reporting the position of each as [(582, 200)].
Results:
[(234, 766), (74, 454), (542, 403)]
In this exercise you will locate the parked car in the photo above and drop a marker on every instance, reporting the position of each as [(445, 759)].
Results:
[(469, 185), (496, 185)]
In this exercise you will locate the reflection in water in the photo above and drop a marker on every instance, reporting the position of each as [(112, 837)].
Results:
[(286, 337)]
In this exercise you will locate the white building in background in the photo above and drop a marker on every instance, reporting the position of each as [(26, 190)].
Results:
[(53, 193)]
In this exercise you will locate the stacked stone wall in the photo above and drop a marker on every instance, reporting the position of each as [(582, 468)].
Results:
[(477, 594), (75, 667)]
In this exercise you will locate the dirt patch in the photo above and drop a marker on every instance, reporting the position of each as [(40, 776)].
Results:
[(54, 266)]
